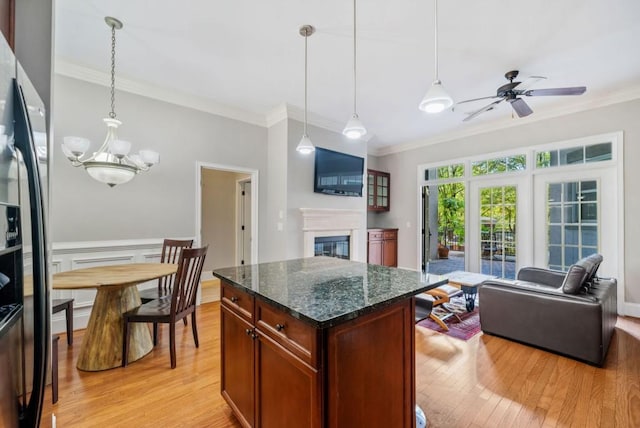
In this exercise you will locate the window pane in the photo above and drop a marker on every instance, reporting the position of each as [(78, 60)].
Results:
[(555, 192), (590, 235), (571, 235), (570, 192), (571, 213), (571, 255), (587, 251), (598, 152), (572, 155), (478, 168), (588, 190), (555, 255), (457, 170), (555, 235), (555, 215), (589, 212), (543, 159), (517, 163)]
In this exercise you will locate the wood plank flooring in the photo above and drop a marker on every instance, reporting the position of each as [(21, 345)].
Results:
[(484, 382)]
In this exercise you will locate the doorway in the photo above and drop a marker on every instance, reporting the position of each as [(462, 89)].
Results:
[(221, 214)]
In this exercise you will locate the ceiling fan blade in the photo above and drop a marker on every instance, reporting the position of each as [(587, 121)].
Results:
[(531, 80), (521, 107), (482, 110), (476, 99), (576, 90)]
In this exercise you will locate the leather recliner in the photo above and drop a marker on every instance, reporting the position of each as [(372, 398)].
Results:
[(572, 313)]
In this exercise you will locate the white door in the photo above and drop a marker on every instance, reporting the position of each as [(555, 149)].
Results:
[(576, 214), (499, 213)]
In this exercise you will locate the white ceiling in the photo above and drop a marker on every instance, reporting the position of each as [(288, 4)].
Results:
[(248, 55)]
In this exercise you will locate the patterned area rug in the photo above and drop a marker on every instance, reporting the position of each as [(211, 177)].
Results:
[(465, 329)]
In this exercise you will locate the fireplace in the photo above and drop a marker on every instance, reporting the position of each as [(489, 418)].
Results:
[(331, 222), (332, 246)]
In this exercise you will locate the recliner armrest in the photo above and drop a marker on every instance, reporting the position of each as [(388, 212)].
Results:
[(535, 288), (553, 278)]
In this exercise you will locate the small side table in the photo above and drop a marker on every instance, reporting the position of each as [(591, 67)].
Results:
[(468, 282)]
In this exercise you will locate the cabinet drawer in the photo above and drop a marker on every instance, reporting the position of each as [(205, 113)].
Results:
[(291, 333), (390, 234), (237, 300), (376, 235)]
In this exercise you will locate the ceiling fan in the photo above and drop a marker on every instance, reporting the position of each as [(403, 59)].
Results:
[(512, 91)]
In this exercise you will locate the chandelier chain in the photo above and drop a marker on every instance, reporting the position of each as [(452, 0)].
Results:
[(112, 114)]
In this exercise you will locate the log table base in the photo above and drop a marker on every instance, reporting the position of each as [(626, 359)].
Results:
[(102, 347)]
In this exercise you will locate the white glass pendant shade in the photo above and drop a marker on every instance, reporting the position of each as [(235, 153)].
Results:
[(305, 146), (75, 146), (149, 157), (436, 99), (354, 129), (119, 148), (110, 174)]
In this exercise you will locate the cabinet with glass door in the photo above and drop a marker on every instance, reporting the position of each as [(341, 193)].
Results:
[(378, 190)]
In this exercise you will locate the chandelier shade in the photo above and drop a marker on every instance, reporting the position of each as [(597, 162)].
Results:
[(111, 163)]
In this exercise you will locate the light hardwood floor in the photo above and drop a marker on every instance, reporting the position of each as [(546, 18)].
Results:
[(484, 382)]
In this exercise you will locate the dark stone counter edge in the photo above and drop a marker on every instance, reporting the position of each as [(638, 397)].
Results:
[(336, 320)]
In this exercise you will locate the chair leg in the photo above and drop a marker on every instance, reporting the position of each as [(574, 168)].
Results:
[(155, 333), (194, 327), (439, 322), (125, 343), (54, 369), (172, 343), (69, 315), (184, 320)]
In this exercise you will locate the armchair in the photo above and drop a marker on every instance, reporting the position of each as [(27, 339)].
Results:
[(572, 313)]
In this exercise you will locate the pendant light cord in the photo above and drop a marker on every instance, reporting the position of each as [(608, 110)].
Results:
[(435, 14), (112, 114), (306, 36), (354, 57)]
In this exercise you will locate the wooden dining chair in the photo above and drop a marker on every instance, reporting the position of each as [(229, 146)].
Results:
[(171, 249), (66, 305), (169, 311)]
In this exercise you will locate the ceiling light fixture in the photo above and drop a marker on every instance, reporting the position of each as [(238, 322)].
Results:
[(436, 99), (305, 146), (110, 164), (354, 129)]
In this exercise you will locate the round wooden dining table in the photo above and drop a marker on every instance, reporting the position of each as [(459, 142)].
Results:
[(117, 293)]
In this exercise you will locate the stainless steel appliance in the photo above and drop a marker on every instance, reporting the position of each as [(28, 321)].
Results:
[(24, 291)]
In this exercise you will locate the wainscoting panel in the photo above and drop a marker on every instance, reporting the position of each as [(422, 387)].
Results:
[(79, 255)]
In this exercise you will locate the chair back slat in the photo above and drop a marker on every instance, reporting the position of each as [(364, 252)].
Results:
[(187, 279), (171, 249)]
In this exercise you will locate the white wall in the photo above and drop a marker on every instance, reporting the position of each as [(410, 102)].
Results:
[(219, 215), (618, 117), (155, 204)]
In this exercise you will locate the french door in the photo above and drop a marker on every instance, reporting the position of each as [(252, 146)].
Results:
[(499, 236), (576, 215)]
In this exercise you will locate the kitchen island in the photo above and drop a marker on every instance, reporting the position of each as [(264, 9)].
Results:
[(320, 342)]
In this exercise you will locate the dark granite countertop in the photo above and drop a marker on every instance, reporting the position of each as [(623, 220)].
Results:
[(326, 291)]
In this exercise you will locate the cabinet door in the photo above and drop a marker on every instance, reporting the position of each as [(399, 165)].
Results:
[(374, 252), (237, 365), (390, 252), (287, 389)]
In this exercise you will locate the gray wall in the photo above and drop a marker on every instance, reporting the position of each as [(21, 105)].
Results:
[(300, 183), (155, 204), (623, 116), (273, 235), (219, 215)]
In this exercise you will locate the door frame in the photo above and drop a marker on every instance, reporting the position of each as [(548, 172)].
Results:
[(254, 201), (240, 217)]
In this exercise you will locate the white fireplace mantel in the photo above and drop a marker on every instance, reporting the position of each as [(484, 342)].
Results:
[(317, 222)]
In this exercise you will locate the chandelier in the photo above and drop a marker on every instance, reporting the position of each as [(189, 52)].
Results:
[(111, 164)]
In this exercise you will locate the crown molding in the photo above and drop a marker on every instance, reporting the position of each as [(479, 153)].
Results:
[(68, 69), (622, 96)]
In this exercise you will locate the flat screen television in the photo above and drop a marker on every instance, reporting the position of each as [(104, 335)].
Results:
[(338, 173)]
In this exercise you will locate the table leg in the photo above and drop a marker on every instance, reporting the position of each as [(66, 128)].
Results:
[(102, 342), (470, 292)]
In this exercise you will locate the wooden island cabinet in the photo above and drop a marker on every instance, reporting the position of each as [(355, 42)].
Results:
[(319, 342)]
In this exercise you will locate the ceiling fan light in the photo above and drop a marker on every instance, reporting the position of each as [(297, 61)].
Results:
[(305, 146), (436, 99), (354, 129)]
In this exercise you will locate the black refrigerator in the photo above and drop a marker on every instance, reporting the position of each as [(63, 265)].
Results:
[(24, 291)]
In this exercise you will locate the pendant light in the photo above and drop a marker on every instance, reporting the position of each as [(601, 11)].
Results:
[(354, 129), (111, 164), (436, 99), (305, 146)]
